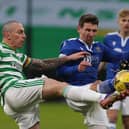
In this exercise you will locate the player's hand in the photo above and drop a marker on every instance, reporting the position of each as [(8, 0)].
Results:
[(78, 55), (110, 99), (83, 65)]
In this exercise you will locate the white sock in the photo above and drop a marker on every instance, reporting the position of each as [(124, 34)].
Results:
[(112, 125), (82, 93)]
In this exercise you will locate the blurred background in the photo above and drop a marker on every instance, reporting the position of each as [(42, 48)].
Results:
[(47, 23)]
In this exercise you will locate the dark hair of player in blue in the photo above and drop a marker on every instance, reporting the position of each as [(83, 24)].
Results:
[(88, 18)]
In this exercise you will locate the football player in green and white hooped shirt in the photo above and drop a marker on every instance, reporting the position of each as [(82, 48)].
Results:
[(11, 71), (21, 96)]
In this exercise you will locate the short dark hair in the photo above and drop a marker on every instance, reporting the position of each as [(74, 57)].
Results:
[(88, 18)]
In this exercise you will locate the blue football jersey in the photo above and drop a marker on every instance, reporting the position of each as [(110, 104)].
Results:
[(98, 52), (116, 42)]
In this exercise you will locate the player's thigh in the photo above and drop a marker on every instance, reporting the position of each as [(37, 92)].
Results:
[(26, 119), (22, 98)]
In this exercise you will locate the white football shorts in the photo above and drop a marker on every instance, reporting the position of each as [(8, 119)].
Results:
[(92, 111), (21, 102), (122, 105)]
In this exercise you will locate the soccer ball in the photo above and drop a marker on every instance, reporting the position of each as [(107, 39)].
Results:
[(121, 81)]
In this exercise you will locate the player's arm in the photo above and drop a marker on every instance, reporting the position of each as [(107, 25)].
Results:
[(43, 65), (106, 86)]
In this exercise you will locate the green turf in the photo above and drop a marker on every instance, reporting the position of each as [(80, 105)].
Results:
[(53, 116)]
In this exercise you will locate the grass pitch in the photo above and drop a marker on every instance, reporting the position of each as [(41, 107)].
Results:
[(54, 115)]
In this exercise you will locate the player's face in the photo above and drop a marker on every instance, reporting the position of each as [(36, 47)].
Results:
[(88, 32), (17, 35), (124, 25)]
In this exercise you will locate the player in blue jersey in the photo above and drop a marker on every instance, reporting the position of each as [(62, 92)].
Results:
[(118, 41), (71, 73)]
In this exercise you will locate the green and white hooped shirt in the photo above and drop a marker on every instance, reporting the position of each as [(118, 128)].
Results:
[(11, 66)]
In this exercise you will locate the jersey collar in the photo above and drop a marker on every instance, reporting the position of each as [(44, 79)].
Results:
[(89, 48)]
